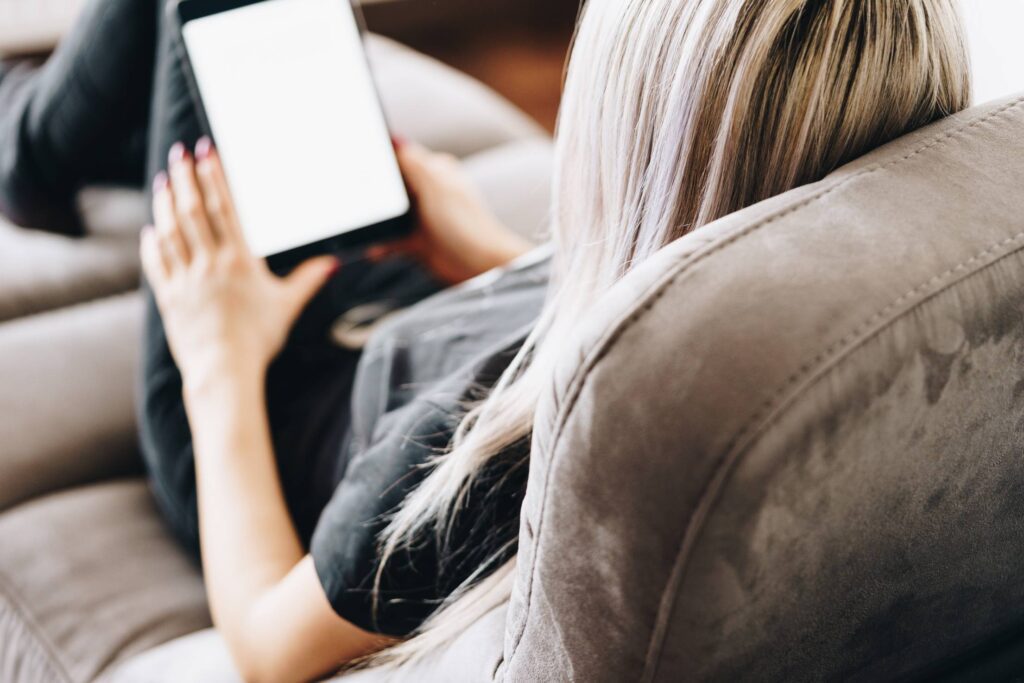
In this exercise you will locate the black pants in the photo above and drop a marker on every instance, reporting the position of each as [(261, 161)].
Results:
[(108, 105)]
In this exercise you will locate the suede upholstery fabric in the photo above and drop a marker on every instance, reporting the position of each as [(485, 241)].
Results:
[(789, 448)]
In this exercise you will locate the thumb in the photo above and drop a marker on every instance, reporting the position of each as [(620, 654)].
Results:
[(309, 278), (412, 161)]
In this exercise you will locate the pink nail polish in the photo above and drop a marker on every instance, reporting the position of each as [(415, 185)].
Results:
[(159, 182), (203, 147), (177, 153)]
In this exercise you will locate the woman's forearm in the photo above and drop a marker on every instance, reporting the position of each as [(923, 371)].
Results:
[(263, 589), (249, 543)]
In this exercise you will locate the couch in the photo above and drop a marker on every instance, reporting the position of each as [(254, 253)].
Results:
[(787, 448)]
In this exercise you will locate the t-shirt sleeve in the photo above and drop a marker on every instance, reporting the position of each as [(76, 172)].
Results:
[(345, 542)]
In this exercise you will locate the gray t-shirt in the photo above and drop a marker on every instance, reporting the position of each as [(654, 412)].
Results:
[(412, 386)]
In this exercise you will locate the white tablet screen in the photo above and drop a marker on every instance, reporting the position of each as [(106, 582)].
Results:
[(291, 103)]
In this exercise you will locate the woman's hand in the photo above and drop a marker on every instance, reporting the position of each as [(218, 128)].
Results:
[(457, 237), (223, 310)]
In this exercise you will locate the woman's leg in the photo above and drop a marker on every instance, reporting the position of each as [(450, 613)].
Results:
[(308, 386), (80, 117)]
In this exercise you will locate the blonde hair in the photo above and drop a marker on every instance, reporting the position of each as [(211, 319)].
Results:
[(676, 113)]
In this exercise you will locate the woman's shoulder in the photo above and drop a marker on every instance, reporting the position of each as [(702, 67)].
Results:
[(503, 297), (437, 353)]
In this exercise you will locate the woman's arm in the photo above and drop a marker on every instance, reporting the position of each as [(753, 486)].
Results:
[(227, 316), (264, 593)]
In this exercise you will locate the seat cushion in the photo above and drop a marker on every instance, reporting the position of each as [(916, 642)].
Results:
[(473, 657), (66, 398), (89, 577), (40, 271)]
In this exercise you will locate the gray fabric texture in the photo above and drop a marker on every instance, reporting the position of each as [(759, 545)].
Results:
[(40, 271), (88, 578), (66, 398), (203, 657), (787, 448)]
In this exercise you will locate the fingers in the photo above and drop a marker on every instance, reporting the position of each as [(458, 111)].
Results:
[(171, 240), (412, 160), (381, 252), (220, 208), (424, 169), (189, 203)]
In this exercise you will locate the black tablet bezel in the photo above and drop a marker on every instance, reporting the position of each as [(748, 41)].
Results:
[(183, 11)]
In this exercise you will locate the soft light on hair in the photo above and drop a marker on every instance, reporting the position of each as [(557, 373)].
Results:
[(677, 113)]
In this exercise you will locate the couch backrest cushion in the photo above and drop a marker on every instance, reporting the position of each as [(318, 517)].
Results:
[(789, 446)]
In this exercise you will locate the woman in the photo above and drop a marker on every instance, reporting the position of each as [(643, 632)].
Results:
[(323, 538)]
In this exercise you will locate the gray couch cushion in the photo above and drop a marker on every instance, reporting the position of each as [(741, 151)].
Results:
[(40, 271), (203, 656), (87, 562), (66, 397), (791, 443)]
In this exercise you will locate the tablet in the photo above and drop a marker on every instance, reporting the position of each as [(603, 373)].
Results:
[(285, 91)]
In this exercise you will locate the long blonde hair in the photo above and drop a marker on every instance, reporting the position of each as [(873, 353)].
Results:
[(676, 113)]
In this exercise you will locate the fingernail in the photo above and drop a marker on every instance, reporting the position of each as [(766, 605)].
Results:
[(177, 153), (159, 182), (334, 268), (398, 141), (203, 147)]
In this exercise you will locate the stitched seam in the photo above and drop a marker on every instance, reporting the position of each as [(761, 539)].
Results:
[(603, 345), (10, 595), (773, 409)]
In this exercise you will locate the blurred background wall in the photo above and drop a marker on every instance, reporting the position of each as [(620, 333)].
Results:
[(519, 46), (996, 32)]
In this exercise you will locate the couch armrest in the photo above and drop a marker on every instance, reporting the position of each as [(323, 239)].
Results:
[(67, 397)]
